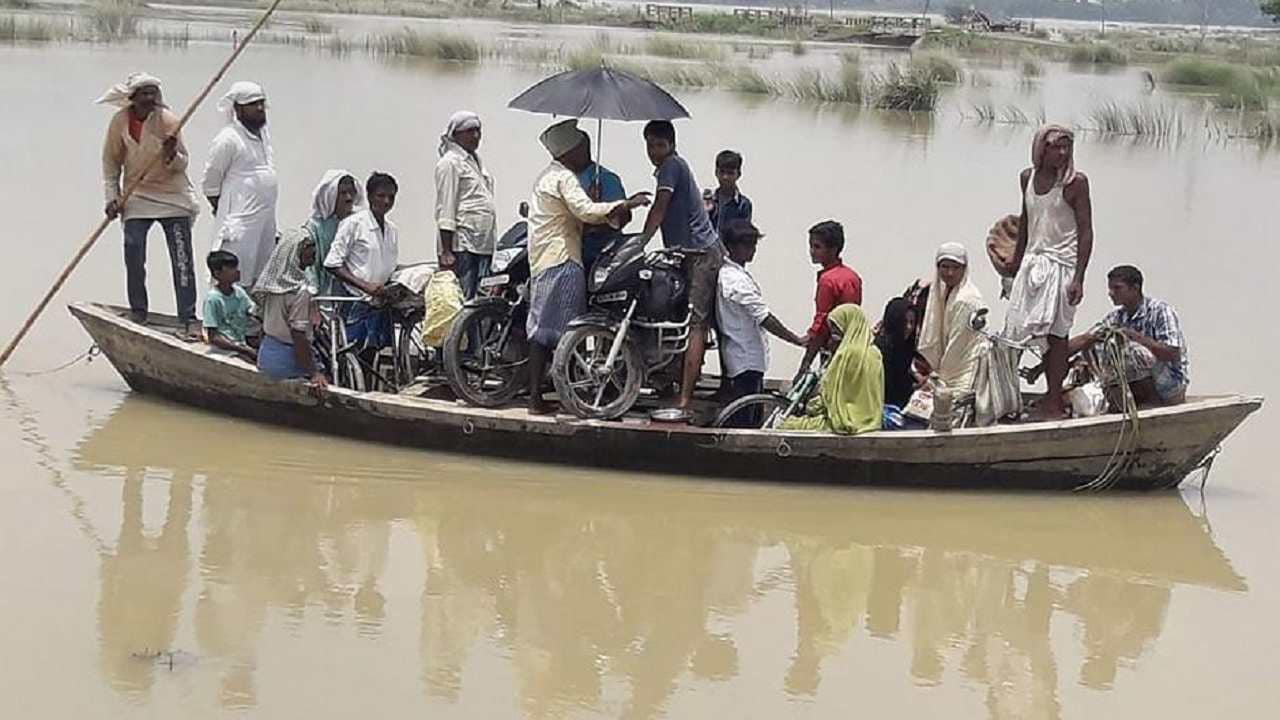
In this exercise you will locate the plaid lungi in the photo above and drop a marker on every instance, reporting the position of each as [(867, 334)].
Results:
[(556, 296)]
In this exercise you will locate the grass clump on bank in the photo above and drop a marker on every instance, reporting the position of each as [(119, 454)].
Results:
[(33, 30), (909, 90), (446, 47), (939, 67), (316, 25), (680, 49), (1236, 87), (113, 19), (1097, 54)]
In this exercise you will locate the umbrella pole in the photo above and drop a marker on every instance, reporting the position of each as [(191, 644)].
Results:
[(599, 152)]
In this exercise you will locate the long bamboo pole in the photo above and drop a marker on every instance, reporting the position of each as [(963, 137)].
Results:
[(129, 188)]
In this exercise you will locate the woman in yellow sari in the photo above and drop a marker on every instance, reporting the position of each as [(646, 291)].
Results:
[(851, 395)]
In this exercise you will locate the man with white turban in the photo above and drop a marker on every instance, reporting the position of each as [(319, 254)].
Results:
[(557, 211), (240, 180), (142, 129), (466, 215), (1055, 241)]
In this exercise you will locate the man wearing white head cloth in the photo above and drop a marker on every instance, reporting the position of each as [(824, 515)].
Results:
[(240, 180), (466, 215), (557, 211), (142, 129), (1055, 243)]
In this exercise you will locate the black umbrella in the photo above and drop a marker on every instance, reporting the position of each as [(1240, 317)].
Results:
[(602, 94)]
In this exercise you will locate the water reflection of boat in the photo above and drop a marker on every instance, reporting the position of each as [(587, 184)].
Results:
[(1059, 455), (590, 586)]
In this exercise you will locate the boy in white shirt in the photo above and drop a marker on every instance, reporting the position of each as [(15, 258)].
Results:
[(744, 318), (363, 256)]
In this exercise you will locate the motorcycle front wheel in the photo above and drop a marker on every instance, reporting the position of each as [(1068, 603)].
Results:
[(585, 389), (486, 356)]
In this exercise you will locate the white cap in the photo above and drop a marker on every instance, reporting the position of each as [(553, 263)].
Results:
[(562, 137)]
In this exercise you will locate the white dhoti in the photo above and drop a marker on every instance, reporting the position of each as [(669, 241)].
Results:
[(1038, 302)]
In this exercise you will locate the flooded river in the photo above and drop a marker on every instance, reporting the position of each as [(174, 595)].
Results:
[(162, 562)]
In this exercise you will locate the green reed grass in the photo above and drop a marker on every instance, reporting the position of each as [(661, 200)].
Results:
[(941, 68), (446, 47), (898, 89), (113, 19), (1138, 120)]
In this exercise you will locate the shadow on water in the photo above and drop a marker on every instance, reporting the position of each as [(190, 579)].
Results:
[(587, 578)]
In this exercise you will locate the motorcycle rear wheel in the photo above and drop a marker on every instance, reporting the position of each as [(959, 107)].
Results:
[(494, 371), (584, 389)]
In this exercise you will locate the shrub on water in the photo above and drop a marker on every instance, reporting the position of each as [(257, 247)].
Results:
[(1241, 93), (1200, 72), (909, 90), (681, 49), (747, 80), (1097, 54), (939, 67), (437, 46)]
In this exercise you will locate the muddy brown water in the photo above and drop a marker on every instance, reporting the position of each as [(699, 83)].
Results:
[(160, 561)]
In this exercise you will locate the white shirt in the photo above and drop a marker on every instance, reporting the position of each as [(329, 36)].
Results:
[(741, 310), (464, 201), (366, 250)]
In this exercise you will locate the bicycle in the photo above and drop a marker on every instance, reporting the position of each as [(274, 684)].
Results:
[(767, 410)]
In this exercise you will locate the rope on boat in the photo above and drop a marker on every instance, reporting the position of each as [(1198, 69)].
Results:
[(87, 356), (1207, 465), (1111, 359)]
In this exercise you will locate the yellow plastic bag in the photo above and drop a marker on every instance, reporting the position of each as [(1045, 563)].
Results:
[(443, 297)]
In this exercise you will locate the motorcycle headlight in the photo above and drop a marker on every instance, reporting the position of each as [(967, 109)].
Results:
[(503, 258)]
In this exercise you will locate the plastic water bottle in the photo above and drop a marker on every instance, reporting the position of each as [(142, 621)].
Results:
[(943, 406)]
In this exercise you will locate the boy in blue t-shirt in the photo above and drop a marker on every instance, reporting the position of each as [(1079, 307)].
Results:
[(228, 306)]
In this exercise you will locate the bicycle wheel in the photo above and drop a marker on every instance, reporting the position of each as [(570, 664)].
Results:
[(349, 373), (751, 411), (409, 358)]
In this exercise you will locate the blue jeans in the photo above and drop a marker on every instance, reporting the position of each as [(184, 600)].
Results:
[(177, 233), (470, 268)]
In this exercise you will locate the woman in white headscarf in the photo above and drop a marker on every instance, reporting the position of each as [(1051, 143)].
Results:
[(283, 294), (947, 342), (240, 180), (336, 197)]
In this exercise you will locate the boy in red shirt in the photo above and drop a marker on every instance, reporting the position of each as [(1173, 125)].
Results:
[(838, 284)]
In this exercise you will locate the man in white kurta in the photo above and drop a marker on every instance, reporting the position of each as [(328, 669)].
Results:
[(240, 181)]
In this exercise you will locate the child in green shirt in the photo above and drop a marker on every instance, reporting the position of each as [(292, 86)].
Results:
[(227, 308)]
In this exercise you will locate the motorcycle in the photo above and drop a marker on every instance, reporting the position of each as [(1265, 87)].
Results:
[(486, 351), (637, 322)]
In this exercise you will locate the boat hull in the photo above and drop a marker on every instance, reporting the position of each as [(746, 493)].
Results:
[(1034, 456)]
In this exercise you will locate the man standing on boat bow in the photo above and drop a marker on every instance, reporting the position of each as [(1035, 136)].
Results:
[(1055, 241), (141, 129)]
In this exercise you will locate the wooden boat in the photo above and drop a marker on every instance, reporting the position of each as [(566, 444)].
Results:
[(1172, 442)]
